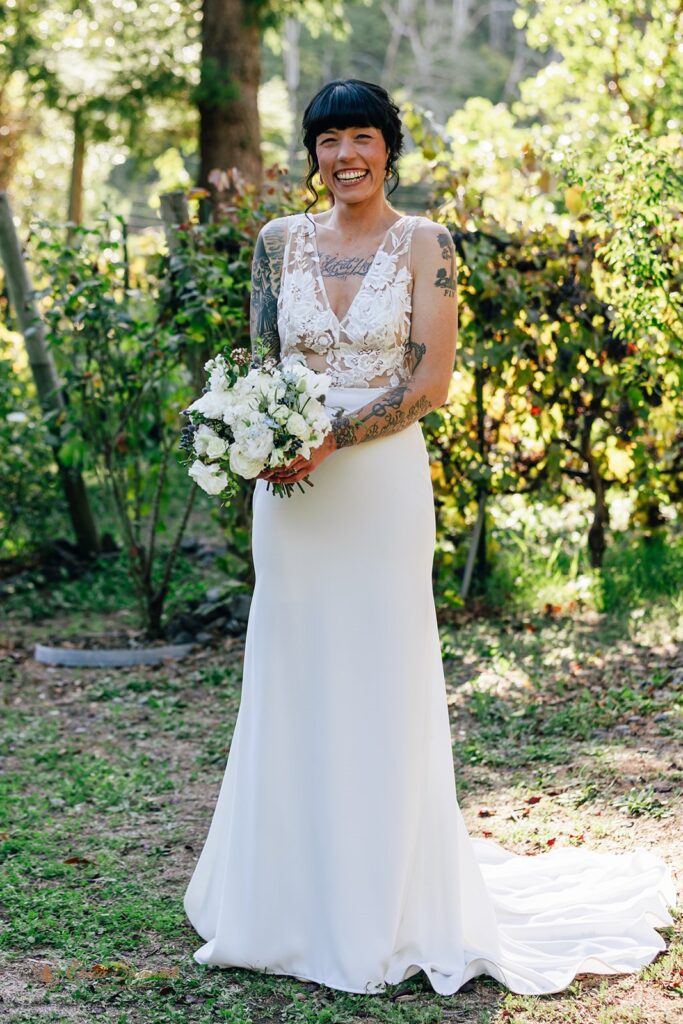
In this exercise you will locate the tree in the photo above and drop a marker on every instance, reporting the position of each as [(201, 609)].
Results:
[(614, 66), (227, 94), (102, 65)]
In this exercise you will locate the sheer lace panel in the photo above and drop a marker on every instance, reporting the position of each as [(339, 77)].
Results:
[(368, 346)]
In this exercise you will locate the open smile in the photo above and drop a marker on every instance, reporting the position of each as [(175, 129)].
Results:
[(351, 176)]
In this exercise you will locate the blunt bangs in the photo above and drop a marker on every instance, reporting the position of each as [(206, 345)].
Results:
[(344, 105)]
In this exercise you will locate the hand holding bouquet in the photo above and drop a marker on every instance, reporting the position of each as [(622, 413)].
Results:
[(245, 425)]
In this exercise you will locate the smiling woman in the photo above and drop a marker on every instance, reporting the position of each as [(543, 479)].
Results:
[(337, 852)]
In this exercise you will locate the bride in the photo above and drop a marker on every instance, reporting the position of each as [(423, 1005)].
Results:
[(337, 852)]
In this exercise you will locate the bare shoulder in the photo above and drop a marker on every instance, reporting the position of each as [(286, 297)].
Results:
[(431, 238), (276, 224)]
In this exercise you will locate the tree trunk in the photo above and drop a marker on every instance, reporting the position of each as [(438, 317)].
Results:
[(498, 24), (229, 133), (597, 542), (292, 74), (460, 17), (77, 161), (44, 373)]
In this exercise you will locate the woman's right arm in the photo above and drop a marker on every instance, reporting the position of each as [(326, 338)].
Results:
[(266, 269)]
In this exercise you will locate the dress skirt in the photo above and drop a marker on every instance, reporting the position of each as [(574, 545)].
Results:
[(337, 852)]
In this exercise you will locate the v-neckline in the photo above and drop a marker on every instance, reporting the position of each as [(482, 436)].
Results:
[(321, 281)]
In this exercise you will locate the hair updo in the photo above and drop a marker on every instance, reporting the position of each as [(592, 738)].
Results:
[(352, 103)]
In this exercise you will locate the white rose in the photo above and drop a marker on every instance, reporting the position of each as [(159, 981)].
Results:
[(210, 478), (296, 425), (243, 465), (207, 442)]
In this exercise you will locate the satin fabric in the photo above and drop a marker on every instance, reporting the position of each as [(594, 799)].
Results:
[(337, 851)]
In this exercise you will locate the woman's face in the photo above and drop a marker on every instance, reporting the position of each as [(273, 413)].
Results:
[(352, 162)]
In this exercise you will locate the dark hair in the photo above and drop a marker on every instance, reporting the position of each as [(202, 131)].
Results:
[(351, 103)]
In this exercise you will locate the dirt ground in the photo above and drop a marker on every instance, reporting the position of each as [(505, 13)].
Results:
[(612, 784)]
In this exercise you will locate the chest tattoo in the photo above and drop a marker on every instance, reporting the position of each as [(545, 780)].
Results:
[(344, 266)]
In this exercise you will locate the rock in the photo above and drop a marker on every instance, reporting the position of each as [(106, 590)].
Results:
[(189, 544), (240, 606), (214, 594), (204, 638), (209, 611), (234, 627), (182, 637)]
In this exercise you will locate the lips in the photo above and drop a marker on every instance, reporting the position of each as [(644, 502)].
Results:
[(355, 175)]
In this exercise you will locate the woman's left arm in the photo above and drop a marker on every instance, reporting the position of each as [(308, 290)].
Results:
[(432, 345)]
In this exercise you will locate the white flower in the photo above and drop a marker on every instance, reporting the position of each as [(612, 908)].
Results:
[(296, 425), (255, 439), (293, 364), (210, 478), (212, 404), (207, 442), (239, 412), (243, 465), (17, 417), (319, 385), (217, 368)]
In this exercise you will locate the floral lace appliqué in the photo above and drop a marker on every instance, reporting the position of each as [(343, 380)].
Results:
[(371, 338)]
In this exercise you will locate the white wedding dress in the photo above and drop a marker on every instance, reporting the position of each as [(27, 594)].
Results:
[(337, 852)]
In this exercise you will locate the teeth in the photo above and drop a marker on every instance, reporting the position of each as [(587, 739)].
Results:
[(350, 175)]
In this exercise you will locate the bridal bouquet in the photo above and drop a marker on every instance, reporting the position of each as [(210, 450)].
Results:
[(243, 424)]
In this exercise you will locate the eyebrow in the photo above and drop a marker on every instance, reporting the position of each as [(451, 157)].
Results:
[(356, 128)]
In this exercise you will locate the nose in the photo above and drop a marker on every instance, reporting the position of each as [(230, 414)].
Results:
[(346, 147)]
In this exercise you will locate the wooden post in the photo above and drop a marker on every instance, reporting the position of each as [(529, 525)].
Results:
[(477, 550), (482, 560), (474, 546), (174, 211), (44, 372)]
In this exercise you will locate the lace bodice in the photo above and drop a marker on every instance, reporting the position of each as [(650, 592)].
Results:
[(370, 340)]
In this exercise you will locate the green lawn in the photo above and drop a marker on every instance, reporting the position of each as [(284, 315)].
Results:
[(565, 730)]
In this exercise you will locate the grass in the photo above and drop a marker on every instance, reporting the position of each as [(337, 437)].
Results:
[(566, 731)]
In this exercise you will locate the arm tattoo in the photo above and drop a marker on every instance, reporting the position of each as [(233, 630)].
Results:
[(414, 354), (266, 269), (445, 279), (384, 415)]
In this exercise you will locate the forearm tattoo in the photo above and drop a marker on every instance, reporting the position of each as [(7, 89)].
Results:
[(394, 410), (266, 269)]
